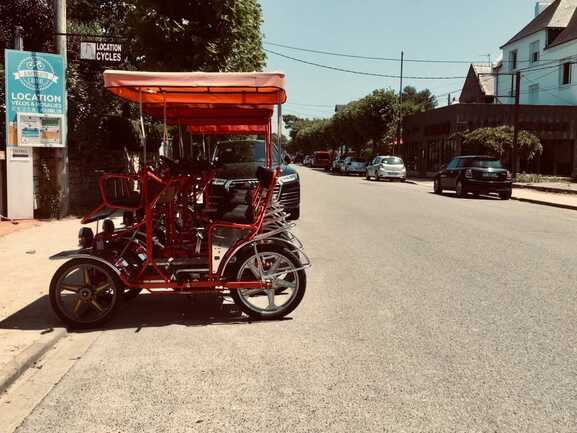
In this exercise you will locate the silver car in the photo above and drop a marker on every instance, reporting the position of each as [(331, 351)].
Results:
[(387, 167), (353, 165)]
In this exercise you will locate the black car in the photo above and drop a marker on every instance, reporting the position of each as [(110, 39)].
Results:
[(475, 174), (238, 161)]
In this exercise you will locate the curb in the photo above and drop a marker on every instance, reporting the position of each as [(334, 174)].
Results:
[(545, 203), (546, 189), (17, 366)]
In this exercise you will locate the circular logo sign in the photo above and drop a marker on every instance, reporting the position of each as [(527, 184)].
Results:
[(35, 73)]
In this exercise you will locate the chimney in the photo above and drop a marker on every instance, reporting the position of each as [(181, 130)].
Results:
[(541, 6)]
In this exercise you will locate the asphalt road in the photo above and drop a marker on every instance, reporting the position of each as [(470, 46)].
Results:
[(423, 313)]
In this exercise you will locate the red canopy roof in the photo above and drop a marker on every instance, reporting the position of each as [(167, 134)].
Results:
[(228, 88), (226, 129)]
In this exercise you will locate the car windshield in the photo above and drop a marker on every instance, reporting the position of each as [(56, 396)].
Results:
[(244, 151), (483, 163), (392, 161)]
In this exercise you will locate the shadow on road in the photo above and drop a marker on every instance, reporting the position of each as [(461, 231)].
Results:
[(143, 312), (468, 196)]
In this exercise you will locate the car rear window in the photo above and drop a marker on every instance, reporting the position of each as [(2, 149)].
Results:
[(482, 163), (392, 161)]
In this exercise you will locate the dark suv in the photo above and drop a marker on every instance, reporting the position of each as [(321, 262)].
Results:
[(239, 159), (475, 174)]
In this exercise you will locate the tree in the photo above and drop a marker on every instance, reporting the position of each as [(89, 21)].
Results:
[(498, 142), (416, 102)]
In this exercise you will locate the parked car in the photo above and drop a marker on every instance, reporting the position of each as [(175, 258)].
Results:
[(239, 160), (475, 174), (308, 161), (322, 159), (387, 167), (352, 165)]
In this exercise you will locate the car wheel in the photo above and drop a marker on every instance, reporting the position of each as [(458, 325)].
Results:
[(437, 187), (505, 195), (460, 190), (377, 177), (367, 175)]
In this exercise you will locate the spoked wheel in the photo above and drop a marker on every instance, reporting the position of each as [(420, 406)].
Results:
[(281, 268), (84, 293)]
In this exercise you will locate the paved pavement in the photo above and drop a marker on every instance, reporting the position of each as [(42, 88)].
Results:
[(564, 198), (26, 273), (423, 313)]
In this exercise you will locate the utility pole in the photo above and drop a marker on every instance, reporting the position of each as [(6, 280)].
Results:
[(62, 166), (515, 158), (19, 38), (400, 125)]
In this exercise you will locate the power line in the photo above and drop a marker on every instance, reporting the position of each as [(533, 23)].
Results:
[(351, 71), (396, 59), (353, 56)]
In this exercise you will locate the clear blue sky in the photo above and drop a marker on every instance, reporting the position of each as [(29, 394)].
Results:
[(441, 29)]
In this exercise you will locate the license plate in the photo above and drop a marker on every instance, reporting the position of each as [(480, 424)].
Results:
[(490, 175)]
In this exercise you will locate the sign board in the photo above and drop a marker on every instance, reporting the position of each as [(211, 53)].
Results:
[(35, 97), (35, 116), (40, 130), (101, 52), (20, 154)]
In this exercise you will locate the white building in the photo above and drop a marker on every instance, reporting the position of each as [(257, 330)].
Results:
[(545, 53)]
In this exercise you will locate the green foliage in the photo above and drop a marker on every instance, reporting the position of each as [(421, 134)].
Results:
[(367, 120), (416, 102), (498, 142), (48, 194)]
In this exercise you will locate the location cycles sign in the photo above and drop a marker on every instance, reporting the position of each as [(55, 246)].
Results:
[(101, 52), (35, 85)]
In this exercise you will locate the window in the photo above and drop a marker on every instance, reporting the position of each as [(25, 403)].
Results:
[(566, 74), (513, 60), (481, 163), (533, 93), (453, 164), (534, 52)]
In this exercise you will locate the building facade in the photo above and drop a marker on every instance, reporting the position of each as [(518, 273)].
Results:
[(545, 54)]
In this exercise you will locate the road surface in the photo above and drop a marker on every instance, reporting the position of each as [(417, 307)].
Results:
[(423, 313)]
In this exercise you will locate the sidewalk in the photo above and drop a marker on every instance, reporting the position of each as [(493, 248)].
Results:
[(28, 327), (560, 195), (555, 187)]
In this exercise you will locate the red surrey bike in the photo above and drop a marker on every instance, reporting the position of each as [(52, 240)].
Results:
[(173, 239)]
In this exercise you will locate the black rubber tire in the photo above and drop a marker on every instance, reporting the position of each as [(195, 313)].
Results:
[(74, 324), (437, 187), (367, 175), (291, 306), (294, 214), (460, 192), (505, 195), (130, 294), (377, 177)]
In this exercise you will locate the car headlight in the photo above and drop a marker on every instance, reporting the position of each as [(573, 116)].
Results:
[(218, 182), (288, 178)]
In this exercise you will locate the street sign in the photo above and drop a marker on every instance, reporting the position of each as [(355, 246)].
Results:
[(35, 117), (103, 52), (35, 99)]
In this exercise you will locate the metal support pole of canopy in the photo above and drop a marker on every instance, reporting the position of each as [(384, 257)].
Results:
[(143, 132), (279, 133)]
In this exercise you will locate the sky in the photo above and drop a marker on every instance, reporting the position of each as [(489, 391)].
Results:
[(456, 30)]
